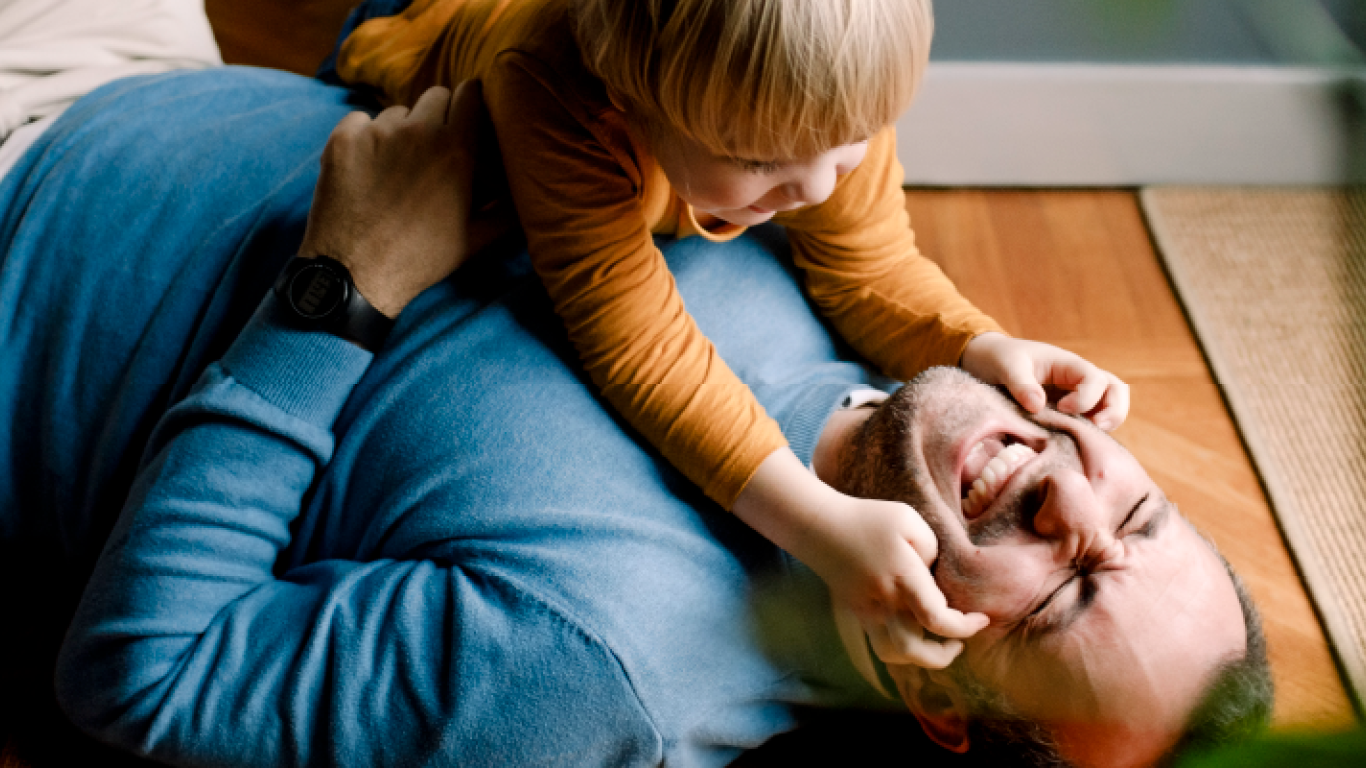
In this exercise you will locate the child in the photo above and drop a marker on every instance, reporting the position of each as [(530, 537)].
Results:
[(623, 119)]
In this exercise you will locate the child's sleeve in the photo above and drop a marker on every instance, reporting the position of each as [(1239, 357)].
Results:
[(578, 202), (863, 270)]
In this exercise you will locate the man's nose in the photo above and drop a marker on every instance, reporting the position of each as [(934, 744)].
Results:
[(1072, 516)]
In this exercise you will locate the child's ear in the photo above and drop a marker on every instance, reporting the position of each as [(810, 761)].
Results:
[(938, 703)]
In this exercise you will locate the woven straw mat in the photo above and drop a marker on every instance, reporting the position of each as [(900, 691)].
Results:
[(1274, 282)]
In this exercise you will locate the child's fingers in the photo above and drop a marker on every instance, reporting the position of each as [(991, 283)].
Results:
[(900, 640), (1113, 408), (926, 603), (1023, 384), (1089, 385), (918, 533)]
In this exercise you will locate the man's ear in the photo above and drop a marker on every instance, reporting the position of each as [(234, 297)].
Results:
[(938, 703)]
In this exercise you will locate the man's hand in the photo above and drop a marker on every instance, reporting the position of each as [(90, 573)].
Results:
[(874, 556), (393, 200), (1026, 368)]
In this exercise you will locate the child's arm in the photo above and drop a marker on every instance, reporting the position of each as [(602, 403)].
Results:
[(858, 255), (577, 195), (898, 309), (874, 556)]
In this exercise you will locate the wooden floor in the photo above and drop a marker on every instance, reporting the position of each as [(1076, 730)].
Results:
[(1074, 268)]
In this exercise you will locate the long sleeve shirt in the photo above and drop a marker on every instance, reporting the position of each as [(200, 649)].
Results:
[(590, 198)]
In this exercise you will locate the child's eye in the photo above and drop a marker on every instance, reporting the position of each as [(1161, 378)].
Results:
[(758, 166)]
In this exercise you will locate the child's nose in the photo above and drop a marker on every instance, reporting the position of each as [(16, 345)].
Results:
[(811, 188)]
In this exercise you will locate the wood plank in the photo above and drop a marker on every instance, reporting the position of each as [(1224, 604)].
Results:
[(1076, 269), (294, 36)]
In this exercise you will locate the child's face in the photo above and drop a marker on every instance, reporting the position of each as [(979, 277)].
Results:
[(748, 191)]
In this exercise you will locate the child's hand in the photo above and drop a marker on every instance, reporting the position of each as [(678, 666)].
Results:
[(875, 557), (1025, 368)]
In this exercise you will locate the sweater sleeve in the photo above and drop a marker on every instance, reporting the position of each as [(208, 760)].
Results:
[(862, 269), (188, 648), (592, 248)]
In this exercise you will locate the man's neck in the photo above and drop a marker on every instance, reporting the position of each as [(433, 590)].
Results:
[(834, 440)]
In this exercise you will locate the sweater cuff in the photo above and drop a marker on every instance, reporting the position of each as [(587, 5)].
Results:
[(307, 374), (806, 416)]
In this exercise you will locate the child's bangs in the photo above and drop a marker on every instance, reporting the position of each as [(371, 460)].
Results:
[(791, 80)]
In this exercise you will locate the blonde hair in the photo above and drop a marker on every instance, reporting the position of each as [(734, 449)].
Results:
[(762, 79)]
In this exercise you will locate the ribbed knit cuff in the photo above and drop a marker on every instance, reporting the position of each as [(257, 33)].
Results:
[(307, 374), (805, 416)]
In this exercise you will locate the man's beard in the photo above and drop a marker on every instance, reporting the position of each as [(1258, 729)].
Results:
[(880, 462)]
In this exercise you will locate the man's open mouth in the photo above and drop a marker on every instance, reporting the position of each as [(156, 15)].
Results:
[(987, 467)]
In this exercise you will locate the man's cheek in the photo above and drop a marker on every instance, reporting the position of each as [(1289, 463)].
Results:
[(989, 581)]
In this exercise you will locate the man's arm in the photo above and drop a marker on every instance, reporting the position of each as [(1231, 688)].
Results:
[(189, 648)]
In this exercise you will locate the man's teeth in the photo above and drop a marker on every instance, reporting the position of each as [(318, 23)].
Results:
[(994, 476)]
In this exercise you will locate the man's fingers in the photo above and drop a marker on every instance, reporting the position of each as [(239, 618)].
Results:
[(467, 103), (352, 122), (432, 105), (901, 641), (391, 117)]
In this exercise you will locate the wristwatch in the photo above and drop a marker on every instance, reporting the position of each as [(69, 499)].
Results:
[(318, 294)]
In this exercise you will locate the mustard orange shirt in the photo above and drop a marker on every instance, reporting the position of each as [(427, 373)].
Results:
[(590, 200)]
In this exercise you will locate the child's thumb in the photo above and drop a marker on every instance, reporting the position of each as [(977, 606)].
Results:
[(1025, 389)]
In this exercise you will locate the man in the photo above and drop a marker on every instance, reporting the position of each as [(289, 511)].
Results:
[(483, 566)]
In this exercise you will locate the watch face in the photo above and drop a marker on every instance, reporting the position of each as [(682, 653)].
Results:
[(316, 291)]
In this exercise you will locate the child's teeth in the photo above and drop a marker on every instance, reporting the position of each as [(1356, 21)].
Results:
[(979, 487)]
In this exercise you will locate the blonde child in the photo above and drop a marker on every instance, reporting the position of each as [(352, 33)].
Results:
[(619, 120)]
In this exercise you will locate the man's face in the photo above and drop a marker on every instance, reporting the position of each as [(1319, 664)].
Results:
[(1108, 611)]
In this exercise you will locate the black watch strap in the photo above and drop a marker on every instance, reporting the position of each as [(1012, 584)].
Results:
[(319, 294)]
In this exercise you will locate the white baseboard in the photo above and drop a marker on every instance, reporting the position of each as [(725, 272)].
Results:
[(994, 124)]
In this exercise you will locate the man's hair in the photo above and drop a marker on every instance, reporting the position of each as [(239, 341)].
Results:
[(1236, 703), (763, 79)]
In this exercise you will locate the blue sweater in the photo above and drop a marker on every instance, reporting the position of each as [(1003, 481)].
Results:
[(453, 553)]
